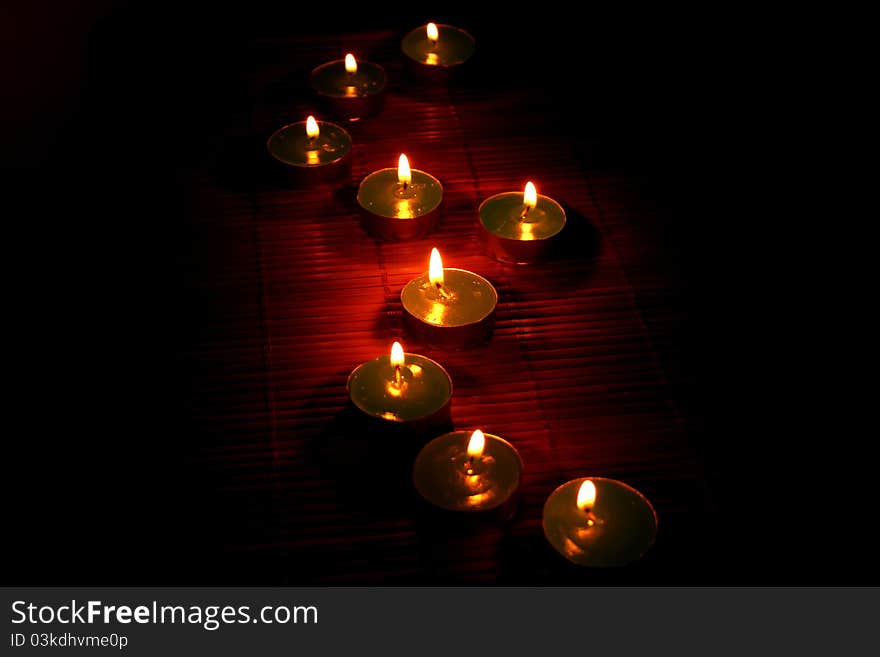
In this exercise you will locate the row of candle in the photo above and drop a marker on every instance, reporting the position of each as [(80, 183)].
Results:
[(479, 472), (353, 90), (590, 521), (405, 203)]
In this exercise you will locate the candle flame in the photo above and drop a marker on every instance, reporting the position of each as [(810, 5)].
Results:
[(476, 444), (404, 174), (397, 354), (351, 65), (586, 497), (312, 129), (435, 268), (433, 33), (530, 197)]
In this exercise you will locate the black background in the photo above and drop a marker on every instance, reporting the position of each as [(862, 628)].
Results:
[(105, 104)]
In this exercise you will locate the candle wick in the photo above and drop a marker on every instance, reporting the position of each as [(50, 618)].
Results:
[(524, 212), (404, 185), (443, 293)]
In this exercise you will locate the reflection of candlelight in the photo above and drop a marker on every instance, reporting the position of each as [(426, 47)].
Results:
[(431, 59), (403, 209), (435, 313)]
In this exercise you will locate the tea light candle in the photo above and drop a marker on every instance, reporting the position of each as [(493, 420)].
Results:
[(519, 228), (436, 50), (350, 89), (402, 389), (599, 522), (400, 203), (312, 151), (449, 307), (467, 471)]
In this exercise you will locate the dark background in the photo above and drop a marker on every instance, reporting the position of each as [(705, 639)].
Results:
[(106, 104)]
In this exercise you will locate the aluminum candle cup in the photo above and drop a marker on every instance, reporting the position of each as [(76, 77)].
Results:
[(471, 472), (616, 528), (350, 89), (312, 152), (404, 390), (518, 231), (434, 51), (449, 307), (400, 203)]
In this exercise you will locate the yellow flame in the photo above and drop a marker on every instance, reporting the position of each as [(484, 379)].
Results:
[(476, 444), (435, 268), (351, 65), (530, 197), (433, 33), (404, 174), (397, 354), (586, 495), (312, 129)]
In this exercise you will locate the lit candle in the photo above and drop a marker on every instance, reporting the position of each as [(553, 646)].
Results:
[(400, 203), (311, 151), (350, 89), (434, 50), (402, 389), (468, 471), (599, 522), (449, 307), (520, 227)]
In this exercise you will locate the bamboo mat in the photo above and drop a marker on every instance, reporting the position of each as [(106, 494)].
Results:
[(289, 295)]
